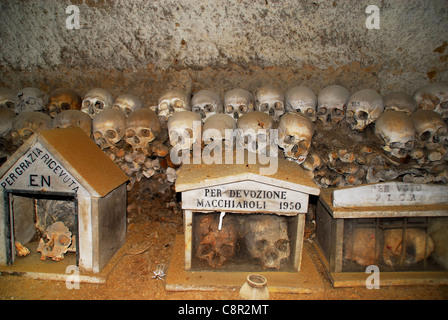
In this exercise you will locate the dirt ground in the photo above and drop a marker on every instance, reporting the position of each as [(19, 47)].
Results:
[(154, 220)]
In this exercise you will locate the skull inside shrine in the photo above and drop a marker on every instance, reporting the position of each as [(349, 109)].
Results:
[(237, 219), (65, 201)]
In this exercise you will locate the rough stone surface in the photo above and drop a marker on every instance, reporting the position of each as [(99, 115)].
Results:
[(142, 47)]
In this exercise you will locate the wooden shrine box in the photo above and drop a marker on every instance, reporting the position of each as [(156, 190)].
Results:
[(64, 165), (240, 190), (401, 229)]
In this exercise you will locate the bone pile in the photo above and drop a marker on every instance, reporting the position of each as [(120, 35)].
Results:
[(343, 139)]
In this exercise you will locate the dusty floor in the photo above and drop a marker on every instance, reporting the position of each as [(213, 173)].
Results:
[(152, 228)]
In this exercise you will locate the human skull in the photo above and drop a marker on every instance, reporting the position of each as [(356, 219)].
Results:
[(295, 132), (206, 103), (127, 103), (31, 99), (8, 98), (363, 108), (142, 128), (27, 123), (238, 102), (400, 101), (96, 100), (254, 131), (431, 130), (396, 130), (214, 131), (433, 96), (331, 104), (59, 240), (7, 117), (73, 119), (63, 99), (184, 129), (172, 100), (266, 239), (270, 100), (301, 99), (108, 127), (215, 246)]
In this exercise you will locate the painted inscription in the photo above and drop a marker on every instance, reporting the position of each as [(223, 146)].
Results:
[(228, 199), (37, 169), (391, 193), (396, 193)]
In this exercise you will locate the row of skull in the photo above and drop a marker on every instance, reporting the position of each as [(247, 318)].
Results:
[(400, 132), (332, 104)]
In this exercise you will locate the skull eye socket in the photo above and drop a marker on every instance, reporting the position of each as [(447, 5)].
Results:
[(278, 106), (26, 133), (65, 106), (178, 104), (145, 133), (229, 109), (111, 134), (163, 106), (127, 111), (197, 109), (362, 115), (188, 133), (304, 144), (264, 107), (322, 110), (99, 105), (97, 135), (309, 112), (444, 105), (289, 139), (261, 244), (242, 108), (86, 103), (208, 108), (395, 145), (408, 145), (425, 136), (337, 112), (9, 104), (282, 245), (204, 249), (64, 240)]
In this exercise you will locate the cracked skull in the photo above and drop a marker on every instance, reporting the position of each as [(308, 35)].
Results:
[(184, 129), (73, 119), (171, 101), (433, 96), (266, 239), (96, 100), (206, 103), (295, 132), (31, 99), (127, 103), (254, 131), (270, 100), (431, 130), (238, 102), (63, 99), (215, 246), (331, 104), (108, 127), (303, 100), (143, 127), (363, 108), (396, 130)]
